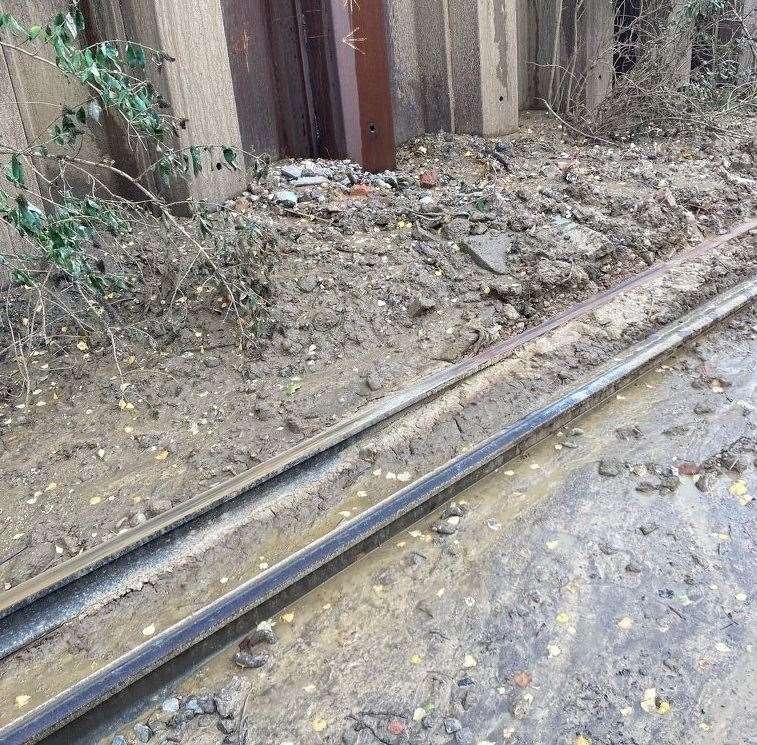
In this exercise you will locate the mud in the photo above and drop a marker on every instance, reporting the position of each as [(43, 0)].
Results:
[(565, 607), (363, 293), (233, 548)]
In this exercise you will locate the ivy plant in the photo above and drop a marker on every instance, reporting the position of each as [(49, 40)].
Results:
[(58, 225)]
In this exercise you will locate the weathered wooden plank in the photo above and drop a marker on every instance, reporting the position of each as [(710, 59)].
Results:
[(598, 32), (748, 58), (528, 72), (407, 86), (12, 134), (498, 42), (324, 100), (252, 74), (42, 91), (200, 85), (295, 133), (484, 51), (434, 61)]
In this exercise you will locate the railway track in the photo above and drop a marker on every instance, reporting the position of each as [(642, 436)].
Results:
[(29, 611)]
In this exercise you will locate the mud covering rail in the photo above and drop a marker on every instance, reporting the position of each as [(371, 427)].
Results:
[(188, 642), (338, 436)]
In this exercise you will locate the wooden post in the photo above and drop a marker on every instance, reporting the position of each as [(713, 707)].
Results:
[(748, 59), (484, 53), (528, 71), (574, 52), (13, 135)]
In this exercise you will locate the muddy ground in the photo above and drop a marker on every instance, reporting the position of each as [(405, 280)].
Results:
[(366, 284), (599, 593)]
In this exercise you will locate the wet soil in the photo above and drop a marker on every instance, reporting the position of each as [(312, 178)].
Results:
[(79, 630), (596, 593), (364, 292)]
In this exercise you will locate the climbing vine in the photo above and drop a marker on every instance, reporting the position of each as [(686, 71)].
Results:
[(58, 203)]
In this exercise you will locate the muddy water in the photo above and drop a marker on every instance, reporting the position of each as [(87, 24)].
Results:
[(460, 583), (550, 614)]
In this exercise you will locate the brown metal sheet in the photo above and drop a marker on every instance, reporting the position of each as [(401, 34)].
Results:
[(362, 58)]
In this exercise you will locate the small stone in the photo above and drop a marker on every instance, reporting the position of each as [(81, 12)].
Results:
[(143, 732), (194, 706), (428, 179), (395, 727), (227, 726), (648, 528), (422, 304), (576, 432), (360, 190), (246, 660), (207, 704), (308, 284), (452, 725), (158, 506), (687, 468), (444, 528), (704, 409), (309, 181), (286, 198), (610, 467), (120, 740), (506, 288), (452, 510), (646, 487), (170, 705), (262, 635), (374, 381), (292, 172), (464, 737), (138, 518), (510, 312), (211, 362), (230, 698)]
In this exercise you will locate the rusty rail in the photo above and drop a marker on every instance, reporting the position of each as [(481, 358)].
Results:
[(337, 436)]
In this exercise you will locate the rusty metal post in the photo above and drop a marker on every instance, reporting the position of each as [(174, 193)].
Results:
[(362, 72)]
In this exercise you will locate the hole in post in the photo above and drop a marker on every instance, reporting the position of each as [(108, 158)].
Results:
[(372, 128)]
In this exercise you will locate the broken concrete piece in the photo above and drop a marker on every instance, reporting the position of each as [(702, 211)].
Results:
[(489, 251), (286, 198)]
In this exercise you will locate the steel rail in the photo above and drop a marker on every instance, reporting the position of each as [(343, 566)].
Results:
[(338, 436), (205, 632)]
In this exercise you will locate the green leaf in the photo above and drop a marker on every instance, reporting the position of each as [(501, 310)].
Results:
[(81, 115), (194, 153), (14, 26), (230, 156), (70, 25), (135, 56), (22, 277), (33, 32), (15, 172)]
